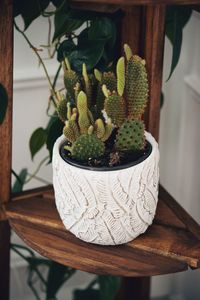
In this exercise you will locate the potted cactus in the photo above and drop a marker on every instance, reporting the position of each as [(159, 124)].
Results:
[(105, 165)]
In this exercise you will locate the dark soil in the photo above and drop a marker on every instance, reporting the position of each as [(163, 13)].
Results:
[(111, 160)]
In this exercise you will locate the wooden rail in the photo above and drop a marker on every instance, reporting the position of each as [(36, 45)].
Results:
[(6, 74)]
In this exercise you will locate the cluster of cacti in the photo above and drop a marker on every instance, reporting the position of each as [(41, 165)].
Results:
[(86, 136), (93, 98)]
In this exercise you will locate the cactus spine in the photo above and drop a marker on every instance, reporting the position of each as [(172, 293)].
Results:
[(83, 119), (130, 136), (136, 87), (70, 80), (109, 79)]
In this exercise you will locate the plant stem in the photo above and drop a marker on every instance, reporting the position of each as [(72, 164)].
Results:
[(37, 169), (40, 60)]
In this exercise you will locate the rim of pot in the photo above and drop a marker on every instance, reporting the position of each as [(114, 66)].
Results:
[(77, 164)]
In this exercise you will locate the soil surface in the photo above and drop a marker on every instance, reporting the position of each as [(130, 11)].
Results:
[(111, 160)]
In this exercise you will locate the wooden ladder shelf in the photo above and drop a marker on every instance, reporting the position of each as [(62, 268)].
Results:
[(171, 244)]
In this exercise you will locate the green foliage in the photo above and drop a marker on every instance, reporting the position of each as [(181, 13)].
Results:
[(176, 19), (108, 287), (64, 24), (29, 10), (37, 140), (54, 130), (57, 276), (3, 102), (87, 146), (130, 136), (20, 180)]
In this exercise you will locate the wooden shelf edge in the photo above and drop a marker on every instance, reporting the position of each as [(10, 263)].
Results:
[(169, 240)]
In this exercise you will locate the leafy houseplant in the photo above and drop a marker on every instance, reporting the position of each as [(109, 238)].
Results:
[(105, 165)]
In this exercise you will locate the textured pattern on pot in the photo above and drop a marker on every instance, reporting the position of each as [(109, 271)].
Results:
[(106, 207)]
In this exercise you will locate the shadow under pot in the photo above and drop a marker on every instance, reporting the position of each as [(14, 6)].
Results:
[(106, 205)]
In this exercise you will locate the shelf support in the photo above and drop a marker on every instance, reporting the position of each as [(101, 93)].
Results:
[(143, 28), (6, 75)]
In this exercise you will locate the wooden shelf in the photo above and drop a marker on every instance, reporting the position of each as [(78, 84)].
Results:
[(139, 2), (171, 244)]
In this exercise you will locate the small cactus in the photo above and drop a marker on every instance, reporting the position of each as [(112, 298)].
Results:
[(71, 78), (83, 119), (130, 136), (115, 107), (87, 146), (100, 102), (136, 87), (109, 79), (62, 110)]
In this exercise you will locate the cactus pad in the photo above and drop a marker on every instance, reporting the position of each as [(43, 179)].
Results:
[(109, 79), (130, 136), (115, 108), (136, 87), (87, 146), (62, 109)]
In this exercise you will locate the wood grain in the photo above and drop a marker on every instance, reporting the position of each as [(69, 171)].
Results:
[(153, 52), (131, 28), (6, 63), (167, 246), (138, 2)]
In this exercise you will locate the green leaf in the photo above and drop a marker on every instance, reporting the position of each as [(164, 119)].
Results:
[(102, 29), (90, 55), (64, 25), (65, 48), (54, 130), (37, 140), (57, 275), (176, 19), (29, 10), (20, 181), (88, 294), (3, 103), (109, 286)]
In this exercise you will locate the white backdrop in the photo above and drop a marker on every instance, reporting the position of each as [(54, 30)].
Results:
[(179, 139)]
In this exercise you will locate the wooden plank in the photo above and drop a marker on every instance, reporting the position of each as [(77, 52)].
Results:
[(36, 192), (180, 212), (137, 2), (66, 249), (161, 238), (131, 28), (154, 47), (168, 236), (6, 62)]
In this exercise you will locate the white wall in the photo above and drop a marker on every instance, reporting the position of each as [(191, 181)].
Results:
[(179, 138)]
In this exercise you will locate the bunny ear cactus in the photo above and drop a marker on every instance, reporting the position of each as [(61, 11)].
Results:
[(114, 104), (61, 108), (107, 78), (71, 79), (87, 141), (122, 96), (87, 146), (130, 136), (136, 85)]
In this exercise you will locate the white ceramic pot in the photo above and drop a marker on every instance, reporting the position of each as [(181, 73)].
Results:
[(106, 207)]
